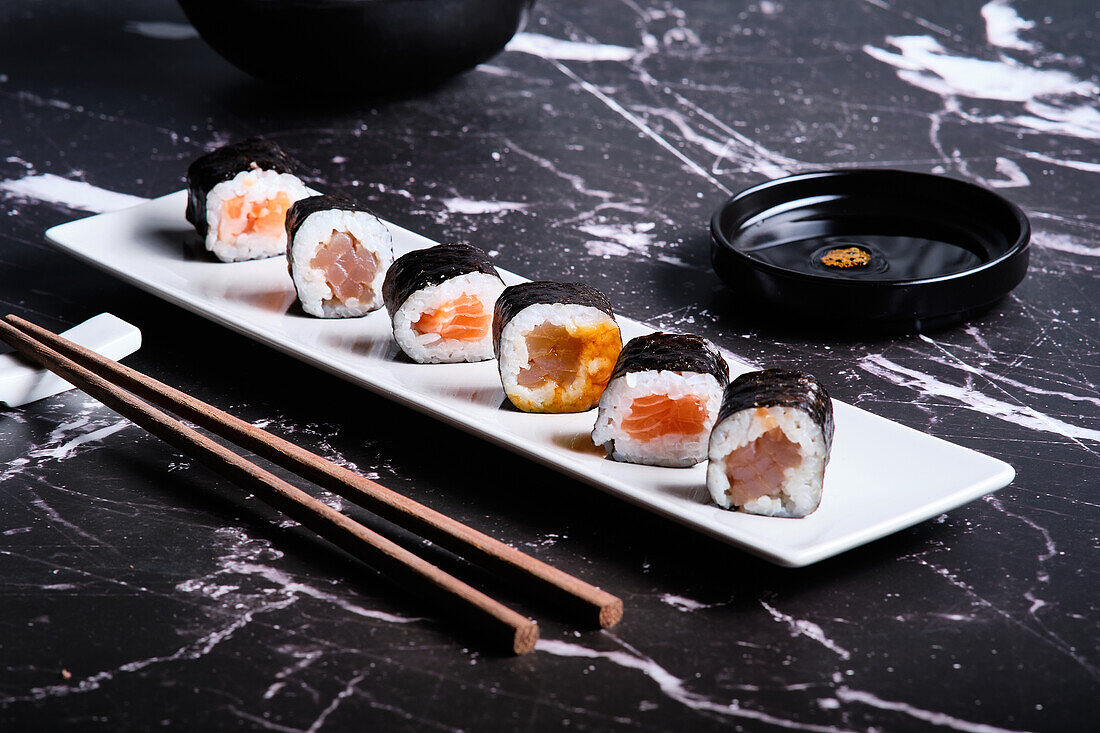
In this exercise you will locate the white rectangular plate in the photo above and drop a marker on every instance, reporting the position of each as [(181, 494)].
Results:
[(882, 477)]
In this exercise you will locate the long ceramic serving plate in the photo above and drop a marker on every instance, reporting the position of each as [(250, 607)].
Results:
[(882, 477)]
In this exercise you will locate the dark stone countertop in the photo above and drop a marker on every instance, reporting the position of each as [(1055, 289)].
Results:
[(139, 591)]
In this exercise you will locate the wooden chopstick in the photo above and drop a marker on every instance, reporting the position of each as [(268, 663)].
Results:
[(589, 603), (498, 622)]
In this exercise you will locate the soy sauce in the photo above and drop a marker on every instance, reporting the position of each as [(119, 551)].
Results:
[(801, 241)]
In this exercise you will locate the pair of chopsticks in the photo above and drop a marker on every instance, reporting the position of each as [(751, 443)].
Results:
[(129, 393)]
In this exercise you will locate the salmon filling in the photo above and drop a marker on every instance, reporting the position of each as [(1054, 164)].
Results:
[(348, 267), (757, 469), (655, 415), (266, 217), (461, 319)]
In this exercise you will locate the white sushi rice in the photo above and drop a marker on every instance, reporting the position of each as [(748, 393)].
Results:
[(670, 449), (513, 354), (314, 291), (257, 186), (800, 490), (431, 348)]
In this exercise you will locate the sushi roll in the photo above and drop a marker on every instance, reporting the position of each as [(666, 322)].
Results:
[(338, 255), (441, 300), (662, 400), (238, 196), (769, 448), (556, 344)]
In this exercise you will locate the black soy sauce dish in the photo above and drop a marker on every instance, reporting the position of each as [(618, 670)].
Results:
[(882, 250), (345, 46)]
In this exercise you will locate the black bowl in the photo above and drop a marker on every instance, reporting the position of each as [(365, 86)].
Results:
[(342, 45), (886, 249)]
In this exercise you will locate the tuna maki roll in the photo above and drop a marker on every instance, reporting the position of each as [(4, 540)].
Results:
[(441, 300), (238, 196), (338, 255), (556, 343), (662, 400), (770, 446)]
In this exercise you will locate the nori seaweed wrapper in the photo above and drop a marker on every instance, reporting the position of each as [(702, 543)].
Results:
[(781, 388), (223, 164), (300, 210), (517, 297), (672, 352), (423, 268)]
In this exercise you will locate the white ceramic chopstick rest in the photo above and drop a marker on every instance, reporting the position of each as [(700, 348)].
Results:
[(22, 382)]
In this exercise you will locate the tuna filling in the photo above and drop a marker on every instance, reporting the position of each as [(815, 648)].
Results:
[(552, 354), (757, 469), (567, 367), (349, 268)]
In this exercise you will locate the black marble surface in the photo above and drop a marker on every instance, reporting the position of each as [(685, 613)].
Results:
[(140, 591)]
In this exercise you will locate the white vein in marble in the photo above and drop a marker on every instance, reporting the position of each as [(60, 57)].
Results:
[(548, 47), (52, 189), (970, 397), (68, 448), (924, 62), (675, 687), (1003, 26), (1063, 243), (802, 627), (1081, 165), (460, 205), (680, 603), (1054, 101), (848, 695), (162, 30)]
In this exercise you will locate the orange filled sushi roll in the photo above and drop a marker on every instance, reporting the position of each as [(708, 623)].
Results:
[(556, 345)]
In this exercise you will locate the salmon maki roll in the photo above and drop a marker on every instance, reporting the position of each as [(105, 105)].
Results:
[(556, 344), (338, 255), (441, 301), (238, 196), (662, 400), (771, 444)]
